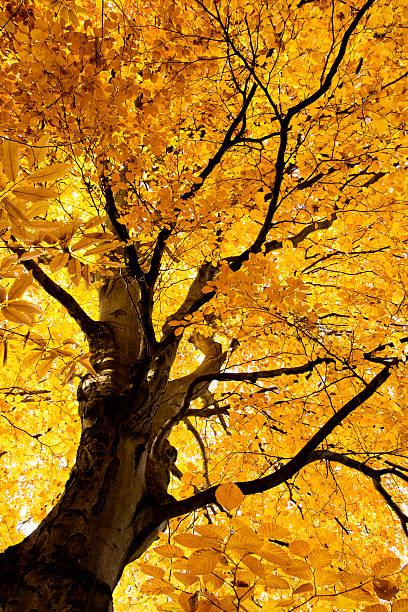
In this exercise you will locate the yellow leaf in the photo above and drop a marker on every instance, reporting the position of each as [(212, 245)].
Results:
[(33, 194), (14, 212), (58, 262), (16, 315), (213, 531), (154, 586), (326, 577), (3, 294), (375, 608), (401, 605), (19, 286), (275, 554), (27, 307), (88, 366), (299, 569), (319, 558), (274, 531), (50, 173), (32, 358), (388, 565), (300, 548), (304, 588), (185, 578), (254, 565), (41, 148), (191, 540), (170, 551), (203, 561), (10, 158), (229, 495), (151, 570), (276, 582), (43, 368)]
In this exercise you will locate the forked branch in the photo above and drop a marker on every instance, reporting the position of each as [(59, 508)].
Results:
[(299, 461)]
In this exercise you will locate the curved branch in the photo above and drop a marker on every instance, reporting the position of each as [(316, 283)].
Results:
[(300, 460), (334, 67)]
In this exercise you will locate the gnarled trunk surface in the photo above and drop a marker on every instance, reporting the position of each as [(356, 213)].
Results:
[(108, 514)]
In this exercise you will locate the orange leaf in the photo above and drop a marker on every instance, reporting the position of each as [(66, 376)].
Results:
[(229, 495)]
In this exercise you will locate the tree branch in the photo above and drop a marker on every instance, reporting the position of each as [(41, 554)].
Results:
[(300, 460), (122, 233), (330, 75), (87, 325), (372, 473), (153, 273)]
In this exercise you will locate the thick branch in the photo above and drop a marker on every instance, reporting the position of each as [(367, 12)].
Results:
[(152, 275), (300, 460), (123, 234), (87, 325)]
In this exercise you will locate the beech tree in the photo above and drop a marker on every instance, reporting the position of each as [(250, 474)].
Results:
[(203, 305)]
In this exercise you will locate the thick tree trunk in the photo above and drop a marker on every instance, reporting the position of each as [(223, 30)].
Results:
[(108, 514)]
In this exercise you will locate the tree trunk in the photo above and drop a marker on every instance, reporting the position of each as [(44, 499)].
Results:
[(108, 514)]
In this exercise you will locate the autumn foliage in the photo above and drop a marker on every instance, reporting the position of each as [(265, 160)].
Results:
[(244, 162)]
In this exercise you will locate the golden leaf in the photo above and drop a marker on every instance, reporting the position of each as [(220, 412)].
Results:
[(185, 578), (319, 558), (254, 565), (274, 531), (10, 158), (304, 588), (229, 495), (24, 306), (16, 315), (33, 194), (276, 582), (203, 561), (44, 366), (388, 565), (58, 262), (213, 531), (191, 540), (154, 586), (49, 173), (299, 569), (151, 570), (19, 286), (170, 551), (300, 548), (41, 148), (375, 608)]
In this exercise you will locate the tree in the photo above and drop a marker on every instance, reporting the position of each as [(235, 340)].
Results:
[(203, 230)]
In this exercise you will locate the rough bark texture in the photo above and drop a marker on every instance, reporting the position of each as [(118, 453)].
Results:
[(107, 514)]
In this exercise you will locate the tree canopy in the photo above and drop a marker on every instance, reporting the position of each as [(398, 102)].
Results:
[(239, 167)]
